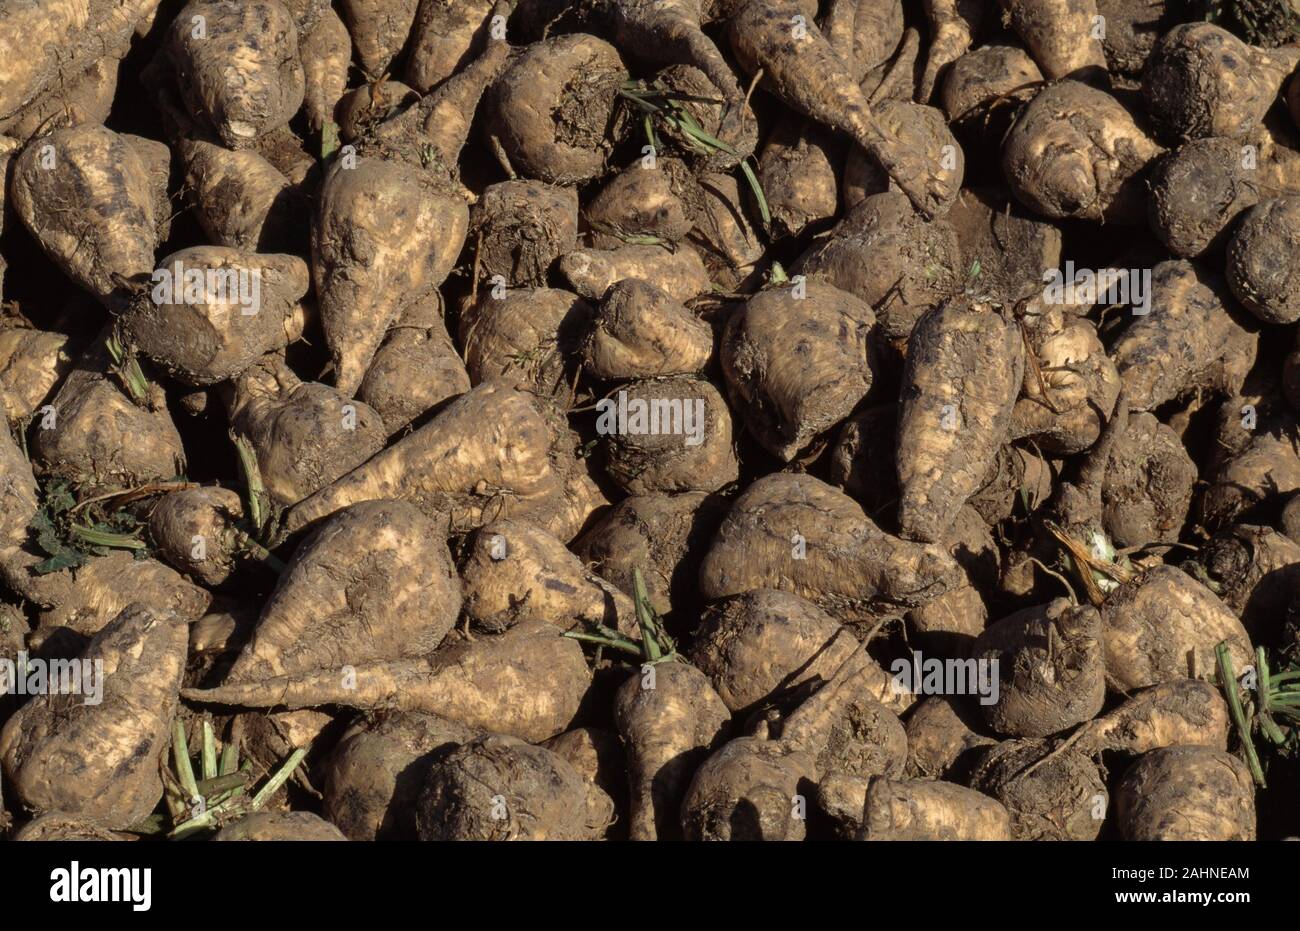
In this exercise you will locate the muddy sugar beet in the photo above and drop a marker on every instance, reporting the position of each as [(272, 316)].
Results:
[(649, 419)]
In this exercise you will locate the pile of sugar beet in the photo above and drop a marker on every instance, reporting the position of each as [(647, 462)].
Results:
[(651, 419)]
